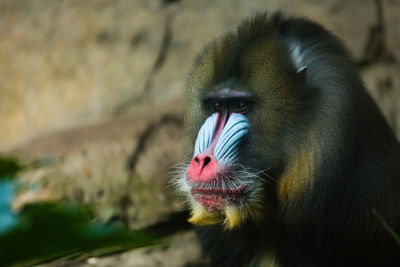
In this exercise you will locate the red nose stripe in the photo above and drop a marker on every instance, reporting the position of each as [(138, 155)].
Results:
[(221, 122)]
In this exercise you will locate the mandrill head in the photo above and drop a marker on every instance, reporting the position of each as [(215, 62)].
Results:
[(243, 94)]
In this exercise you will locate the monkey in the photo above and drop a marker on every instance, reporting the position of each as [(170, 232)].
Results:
[(292, 158)]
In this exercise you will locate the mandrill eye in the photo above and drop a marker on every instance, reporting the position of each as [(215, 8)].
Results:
[(240, 107), (217, 106)]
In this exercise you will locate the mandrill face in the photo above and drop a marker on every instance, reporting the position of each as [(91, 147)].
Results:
[(219, 187), (238, 112)]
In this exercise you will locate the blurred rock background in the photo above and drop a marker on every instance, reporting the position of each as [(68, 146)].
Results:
[(91, 96)]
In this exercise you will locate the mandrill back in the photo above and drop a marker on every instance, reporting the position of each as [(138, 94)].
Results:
[(293, 163)]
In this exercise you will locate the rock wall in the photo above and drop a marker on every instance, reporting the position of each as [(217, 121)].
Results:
[(69, 63)]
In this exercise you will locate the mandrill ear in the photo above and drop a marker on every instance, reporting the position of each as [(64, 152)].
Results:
[(301, 74)]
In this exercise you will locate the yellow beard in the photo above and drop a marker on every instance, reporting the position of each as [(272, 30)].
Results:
[(201, 216), (231, 216)]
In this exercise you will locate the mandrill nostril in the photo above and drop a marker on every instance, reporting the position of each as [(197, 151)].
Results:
[(196, 159), (206, 161)]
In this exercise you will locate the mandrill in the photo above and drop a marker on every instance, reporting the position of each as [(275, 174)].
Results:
[(293, 163)]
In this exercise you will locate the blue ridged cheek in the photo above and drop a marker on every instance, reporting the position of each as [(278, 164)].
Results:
[(205, 134), (225, 150)]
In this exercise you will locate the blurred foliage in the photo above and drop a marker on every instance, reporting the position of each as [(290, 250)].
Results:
[(52, 230), (46, 231), (9, 167)]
